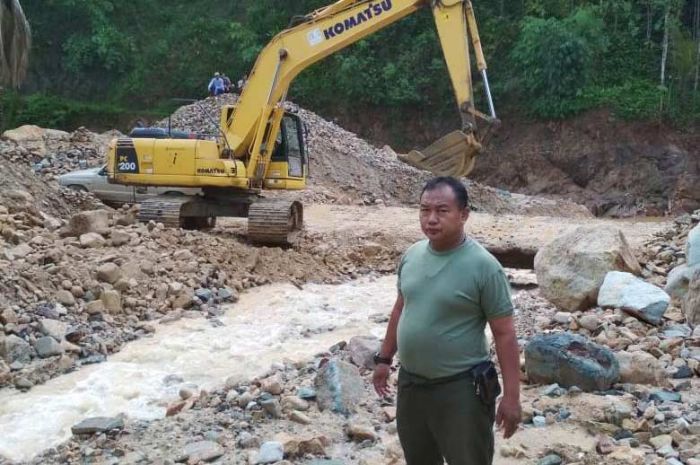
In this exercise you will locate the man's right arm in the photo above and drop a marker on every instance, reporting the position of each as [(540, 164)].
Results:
[(388, 349), (389, 346)]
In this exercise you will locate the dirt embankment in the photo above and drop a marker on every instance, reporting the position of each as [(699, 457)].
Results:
[(616, 168)]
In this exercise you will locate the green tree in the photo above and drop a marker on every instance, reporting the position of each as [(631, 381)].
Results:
[(555, 60)]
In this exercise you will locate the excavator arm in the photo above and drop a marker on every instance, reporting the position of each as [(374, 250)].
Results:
[(252, 127)]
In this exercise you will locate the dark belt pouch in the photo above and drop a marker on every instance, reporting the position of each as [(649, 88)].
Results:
[(486, 382)]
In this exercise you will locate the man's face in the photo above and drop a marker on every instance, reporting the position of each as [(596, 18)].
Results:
[(441, 218)]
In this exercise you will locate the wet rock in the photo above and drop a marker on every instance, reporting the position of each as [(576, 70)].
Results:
[(683, 372), (109, 273), (640, 368), (636, 297), (691, 301), (362, 350), (571, 269), (95, 221), (570, 360), (205, 295), (203, 451), (270, 452), (187, 391), (226, 294), (339, 387), (551, 459), (65, 297), (92, 241), (665, 396), (306, 393), (54, 328), (47, 347), (15, 349), (98, 425)]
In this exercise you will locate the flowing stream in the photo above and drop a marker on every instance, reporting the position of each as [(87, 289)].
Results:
[(267, 325)]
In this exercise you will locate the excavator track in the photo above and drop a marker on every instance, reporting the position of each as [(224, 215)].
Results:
[(163, 209), (275, 222)]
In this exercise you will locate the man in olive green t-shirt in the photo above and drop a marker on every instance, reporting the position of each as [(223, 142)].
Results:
[(449, 287)]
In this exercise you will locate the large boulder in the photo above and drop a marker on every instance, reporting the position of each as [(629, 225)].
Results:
[(692, 247), (571, 269), (570, 360), (98, 425), (48, 347), (94, 221), (691, 301), (362, 350), (339, 387), (28, 136), (640, 368), (54, 328), (678, 280), (635, 296), (15, 349)]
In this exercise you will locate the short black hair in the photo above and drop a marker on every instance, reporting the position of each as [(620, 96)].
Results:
[(453, 183)]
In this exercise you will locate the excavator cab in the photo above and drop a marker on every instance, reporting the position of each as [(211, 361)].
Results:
[(289, 165)]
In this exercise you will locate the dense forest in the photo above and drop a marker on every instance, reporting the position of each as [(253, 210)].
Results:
[(102, 62)]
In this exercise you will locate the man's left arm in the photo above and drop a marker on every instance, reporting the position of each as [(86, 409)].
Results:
[(508, 415)]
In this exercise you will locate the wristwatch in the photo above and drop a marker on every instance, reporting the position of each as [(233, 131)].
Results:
[(378, 359)]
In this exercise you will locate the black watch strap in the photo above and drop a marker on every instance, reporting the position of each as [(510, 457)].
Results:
[(378, 359)]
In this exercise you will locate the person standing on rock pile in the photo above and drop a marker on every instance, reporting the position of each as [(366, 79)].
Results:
[(216, 85), (449, 287)]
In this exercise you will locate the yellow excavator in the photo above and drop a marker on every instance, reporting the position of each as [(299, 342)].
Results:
[(261, 144)]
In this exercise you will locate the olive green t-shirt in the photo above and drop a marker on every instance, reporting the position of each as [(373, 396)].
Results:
[(448, 298)]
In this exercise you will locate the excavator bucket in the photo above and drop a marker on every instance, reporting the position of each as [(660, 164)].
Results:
[(451, 155)]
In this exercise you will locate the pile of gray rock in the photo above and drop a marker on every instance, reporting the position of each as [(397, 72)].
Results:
[(345, 169), (51, 152)]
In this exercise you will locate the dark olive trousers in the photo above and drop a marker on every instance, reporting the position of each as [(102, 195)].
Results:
[(443, 421)]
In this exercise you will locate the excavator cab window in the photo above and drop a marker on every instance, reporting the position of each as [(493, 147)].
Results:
[(290, 145)]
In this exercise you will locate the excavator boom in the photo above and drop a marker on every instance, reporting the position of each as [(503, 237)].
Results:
[(255, 120)]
